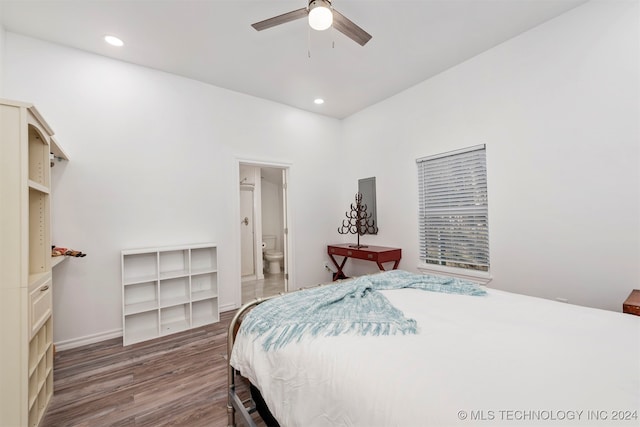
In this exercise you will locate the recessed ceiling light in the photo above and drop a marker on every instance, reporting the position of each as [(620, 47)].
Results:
[(113, 41), (318, 101)]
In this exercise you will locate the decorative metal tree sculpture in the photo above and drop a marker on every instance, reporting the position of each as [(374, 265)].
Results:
[(358, 222)]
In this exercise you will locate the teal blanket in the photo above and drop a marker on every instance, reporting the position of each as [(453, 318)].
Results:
[(351, 306)]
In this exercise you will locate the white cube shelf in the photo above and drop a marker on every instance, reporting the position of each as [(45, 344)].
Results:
[(174, 291), (204, 286), (174, 319), (139, 267), (204, 312), (140, 297), (141, 326), (174, 263), (204, 260), (168, 290)]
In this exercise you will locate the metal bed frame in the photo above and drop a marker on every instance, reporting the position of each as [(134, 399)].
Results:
[(234, 402)]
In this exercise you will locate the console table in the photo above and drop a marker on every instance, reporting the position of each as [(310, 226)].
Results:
[(632, 304), (377, 254)]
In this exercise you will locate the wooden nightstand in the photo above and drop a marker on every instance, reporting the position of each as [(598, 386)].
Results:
[(632, 304)]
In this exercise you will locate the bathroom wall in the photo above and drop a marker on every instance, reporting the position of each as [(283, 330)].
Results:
[(272, 208)]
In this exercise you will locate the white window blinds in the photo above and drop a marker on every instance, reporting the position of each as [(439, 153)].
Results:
[(453, 221)]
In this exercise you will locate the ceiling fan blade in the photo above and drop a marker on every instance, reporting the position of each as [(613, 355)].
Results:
[(349, 29), (281, 19)]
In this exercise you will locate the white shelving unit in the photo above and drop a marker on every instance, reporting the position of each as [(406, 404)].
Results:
[(26, 350), (168, 290)]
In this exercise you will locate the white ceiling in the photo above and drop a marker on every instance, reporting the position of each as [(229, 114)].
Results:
[(212, 41)]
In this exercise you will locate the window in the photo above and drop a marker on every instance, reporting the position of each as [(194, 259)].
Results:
[(453, 220)]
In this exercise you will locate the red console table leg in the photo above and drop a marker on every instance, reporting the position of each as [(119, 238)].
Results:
[(395, 265), (338, 274)]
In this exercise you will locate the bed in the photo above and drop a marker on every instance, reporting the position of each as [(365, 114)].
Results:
[(490, 359)]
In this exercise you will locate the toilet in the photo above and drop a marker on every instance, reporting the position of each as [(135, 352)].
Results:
[(272, 256)]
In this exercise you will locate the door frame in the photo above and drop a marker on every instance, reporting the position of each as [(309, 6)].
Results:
[(287, 218)]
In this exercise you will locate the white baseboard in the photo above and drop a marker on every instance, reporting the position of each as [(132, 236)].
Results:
[(88, 339), (101, 336), (227, 307)]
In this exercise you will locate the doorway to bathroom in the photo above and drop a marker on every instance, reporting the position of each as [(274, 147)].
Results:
[(264, 235)]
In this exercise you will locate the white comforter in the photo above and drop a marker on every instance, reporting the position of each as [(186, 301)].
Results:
[(498, 360)]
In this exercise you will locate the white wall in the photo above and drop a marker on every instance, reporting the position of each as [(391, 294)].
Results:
[(558, 110), (154, 162)]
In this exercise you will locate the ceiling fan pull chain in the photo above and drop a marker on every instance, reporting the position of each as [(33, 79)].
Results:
[(333, 37), (333, 31)]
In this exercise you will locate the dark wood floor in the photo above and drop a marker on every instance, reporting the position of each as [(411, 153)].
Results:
[(178, 380)]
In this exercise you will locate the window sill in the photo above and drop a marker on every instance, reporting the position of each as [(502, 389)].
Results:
[(481, 277)]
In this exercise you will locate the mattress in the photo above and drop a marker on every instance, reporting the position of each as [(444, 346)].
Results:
[(498, 360)]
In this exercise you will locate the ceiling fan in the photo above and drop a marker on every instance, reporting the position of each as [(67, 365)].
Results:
[(321, 16)]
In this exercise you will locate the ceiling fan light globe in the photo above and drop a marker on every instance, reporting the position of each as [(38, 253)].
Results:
[(320, 15)]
